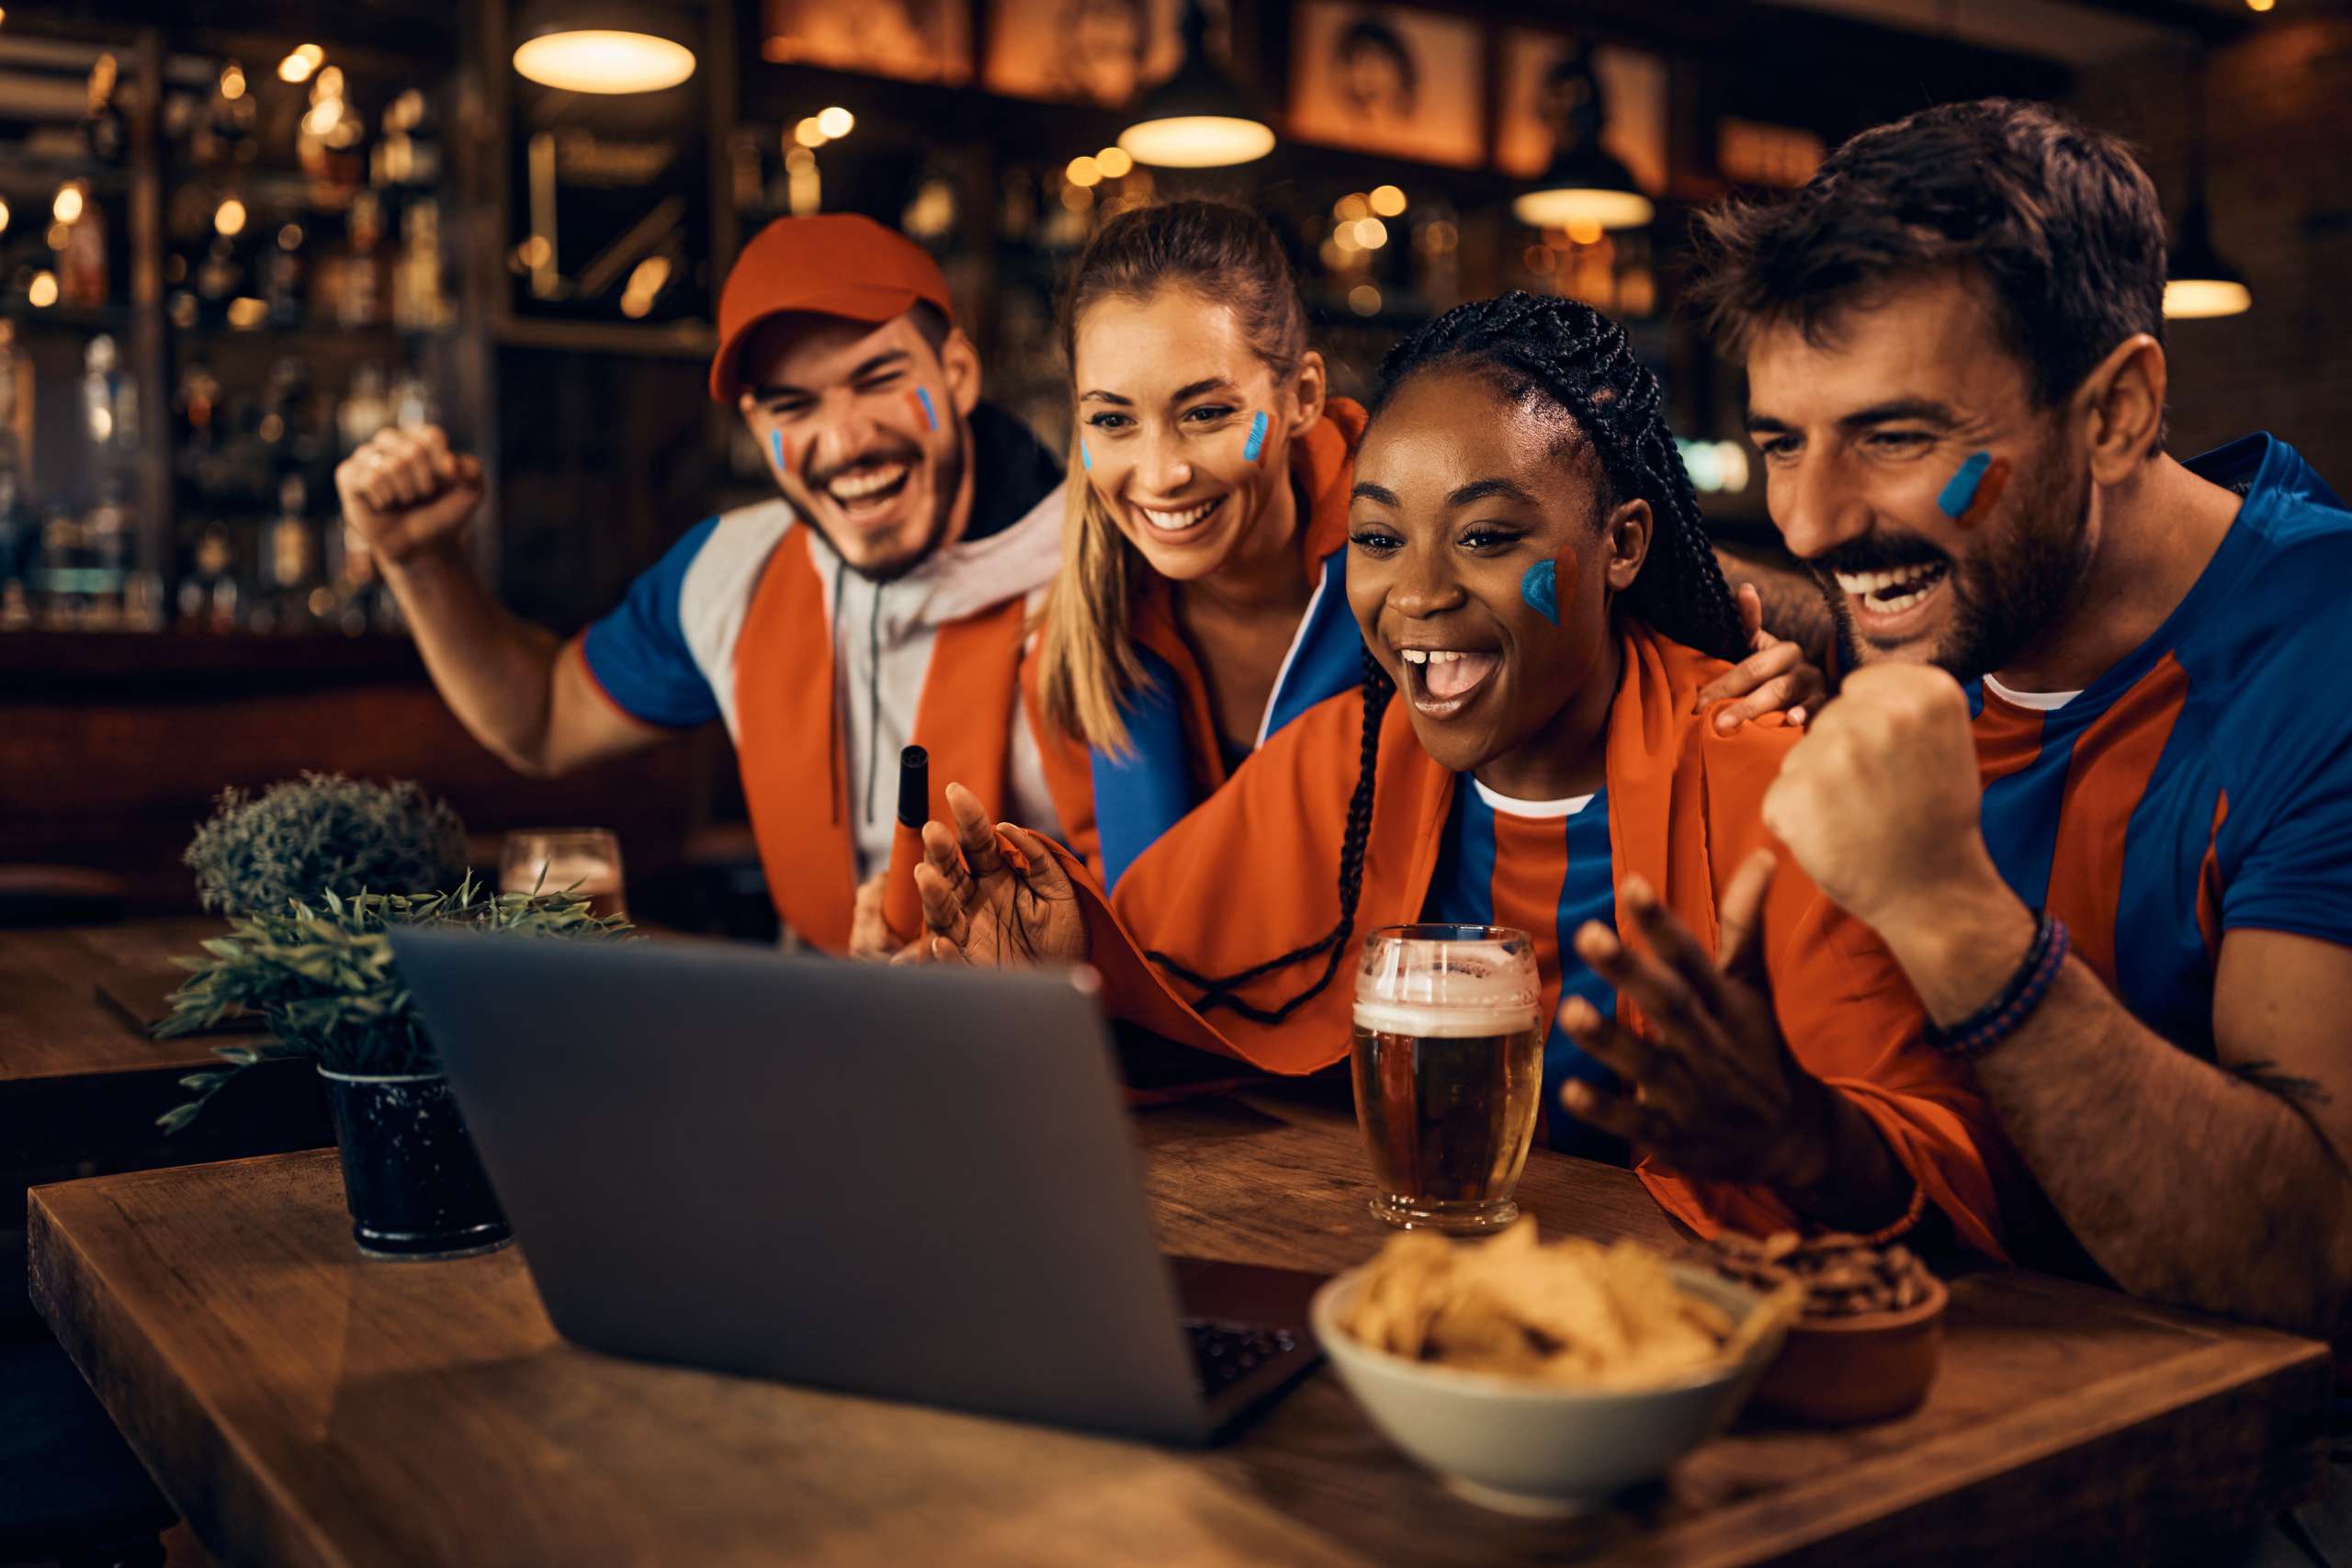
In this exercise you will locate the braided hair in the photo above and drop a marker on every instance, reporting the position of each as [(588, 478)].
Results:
[(1571, 356), (1578, 359), (1217, 991)]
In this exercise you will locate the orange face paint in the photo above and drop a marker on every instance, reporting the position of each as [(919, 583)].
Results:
[(1547, 582), (1969, 497)]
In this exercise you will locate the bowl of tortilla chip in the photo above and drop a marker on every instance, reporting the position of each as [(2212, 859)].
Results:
[(1540, 1378)]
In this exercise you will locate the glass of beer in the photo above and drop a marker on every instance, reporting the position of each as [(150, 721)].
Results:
[(586, 861), (1449, 1069)]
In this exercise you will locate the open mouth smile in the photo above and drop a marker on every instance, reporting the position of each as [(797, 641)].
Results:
[(1189, 519), (1441, 681), (1888, 605), (868, 489)]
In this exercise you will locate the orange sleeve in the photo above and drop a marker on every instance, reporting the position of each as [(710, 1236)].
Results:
[(1851, 1019)]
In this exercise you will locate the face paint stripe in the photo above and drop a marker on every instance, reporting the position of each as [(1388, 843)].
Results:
[(1960, 491), (1988, 494), (1539, 587), (922, 402), (1257, 442), (775, 444), (1085, 457)]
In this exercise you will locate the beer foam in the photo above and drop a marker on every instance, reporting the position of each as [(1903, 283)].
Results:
[(1454, 1022)]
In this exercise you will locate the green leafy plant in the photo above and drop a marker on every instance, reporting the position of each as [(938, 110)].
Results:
[(303, 839), (324, 982)]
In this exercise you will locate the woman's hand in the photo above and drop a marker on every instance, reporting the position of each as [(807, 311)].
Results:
[(1775, 675), (994, 896)]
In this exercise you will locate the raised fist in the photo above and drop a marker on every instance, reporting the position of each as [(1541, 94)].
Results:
[(404, 491)]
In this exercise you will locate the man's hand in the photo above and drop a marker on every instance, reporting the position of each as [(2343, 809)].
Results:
[(404, 493), (1714, 1093), (1880, 803), (1776, 675), (983, 905)]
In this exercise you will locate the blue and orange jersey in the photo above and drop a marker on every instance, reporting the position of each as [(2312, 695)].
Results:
[(1253, 873), (1114, 805), (2204, 783), (1538, 866)]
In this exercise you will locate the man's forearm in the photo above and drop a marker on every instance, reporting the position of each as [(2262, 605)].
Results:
[(494, 670), (2185, 1182)]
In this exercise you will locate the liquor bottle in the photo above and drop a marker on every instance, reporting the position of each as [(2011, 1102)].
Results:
[(289, 555), (281, 277), (407, 157), (17, 539), (103, 387), (419, 304), (359, 303), (82, 266), (103, 128), (57, 599), (106, 543), (364, 410)]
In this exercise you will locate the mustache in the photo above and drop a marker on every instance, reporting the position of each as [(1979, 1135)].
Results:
[(905, 452), (1880, 550)]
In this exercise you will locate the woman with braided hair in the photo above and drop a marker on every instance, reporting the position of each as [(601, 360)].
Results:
[(1202, 605), (1539, 611)]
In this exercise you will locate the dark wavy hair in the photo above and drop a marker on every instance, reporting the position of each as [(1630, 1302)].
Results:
[(2058, 220)]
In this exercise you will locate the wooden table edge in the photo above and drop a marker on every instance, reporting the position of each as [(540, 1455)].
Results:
[(51, 1279), (1974, 1455)]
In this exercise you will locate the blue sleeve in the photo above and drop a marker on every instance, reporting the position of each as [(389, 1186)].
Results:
[(2286, 843), (638, 652)]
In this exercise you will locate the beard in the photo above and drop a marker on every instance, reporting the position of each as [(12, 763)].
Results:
[(947, 474), (2006, 593)]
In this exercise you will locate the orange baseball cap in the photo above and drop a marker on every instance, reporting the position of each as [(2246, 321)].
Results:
[(836, 263)]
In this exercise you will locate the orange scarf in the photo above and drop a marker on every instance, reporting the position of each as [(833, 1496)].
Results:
[(1253, 873), (796, 778)]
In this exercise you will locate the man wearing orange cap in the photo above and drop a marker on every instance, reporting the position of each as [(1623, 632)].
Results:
[(878, 603)]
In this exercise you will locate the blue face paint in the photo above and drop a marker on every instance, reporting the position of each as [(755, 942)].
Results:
[(1257, 442), (1084, 456), (1540, 588), (1959, 491), (775, 444), (929, 412)]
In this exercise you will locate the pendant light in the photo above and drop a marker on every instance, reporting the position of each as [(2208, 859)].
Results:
[(1199, 118), (1586, 185), (593, 47), (2198, 282)]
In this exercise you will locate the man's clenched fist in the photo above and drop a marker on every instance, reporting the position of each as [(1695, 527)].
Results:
[(405, 492), (1880, 801)]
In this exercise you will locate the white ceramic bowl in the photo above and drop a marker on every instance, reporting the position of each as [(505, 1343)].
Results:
[(1528, 1449)]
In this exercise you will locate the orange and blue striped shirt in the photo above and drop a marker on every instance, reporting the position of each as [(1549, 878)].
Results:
[(1543, 867), (2204, 783)]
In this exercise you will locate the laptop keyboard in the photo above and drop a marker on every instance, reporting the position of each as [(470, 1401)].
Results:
[(1224, 1353)]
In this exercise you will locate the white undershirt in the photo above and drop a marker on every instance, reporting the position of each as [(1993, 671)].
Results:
[(1536, 808), (2040, 702)]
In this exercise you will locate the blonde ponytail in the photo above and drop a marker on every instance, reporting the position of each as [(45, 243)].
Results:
[(1086, 657)]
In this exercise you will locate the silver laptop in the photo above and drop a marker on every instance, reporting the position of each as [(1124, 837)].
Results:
[(912, 1183)]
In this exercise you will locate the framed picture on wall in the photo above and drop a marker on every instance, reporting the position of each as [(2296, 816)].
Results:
[(1091, 51), (1544, 74), (1388, 79), (914, 40)]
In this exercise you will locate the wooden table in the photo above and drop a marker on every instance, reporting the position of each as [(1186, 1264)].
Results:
[(299, 1405), (81, 1080)]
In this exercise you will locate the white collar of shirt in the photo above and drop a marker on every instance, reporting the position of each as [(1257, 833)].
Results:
[(2040, 702), (1538, 808)]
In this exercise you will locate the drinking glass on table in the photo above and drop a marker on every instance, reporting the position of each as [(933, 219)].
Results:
[(586, 860), (1449, 1070)]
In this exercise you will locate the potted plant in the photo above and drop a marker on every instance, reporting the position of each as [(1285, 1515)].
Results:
[(304, 838), (323, 980)]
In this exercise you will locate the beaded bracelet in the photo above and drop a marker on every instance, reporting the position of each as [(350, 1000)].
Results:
[(2005, 1014), (1913, 1212)]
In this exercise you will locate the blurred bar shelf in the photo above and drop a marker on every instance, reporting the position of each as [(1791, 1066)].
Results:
[(69, 661)]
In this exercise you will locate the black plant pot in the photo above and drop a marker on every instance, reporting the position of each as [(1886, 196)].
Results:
[(409, 1174)]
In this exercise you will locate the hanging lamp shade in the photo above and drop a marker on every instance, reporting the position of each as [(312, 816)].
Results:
[(599, 48), (2199, 283), (1199, 118), (1586, 185)]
